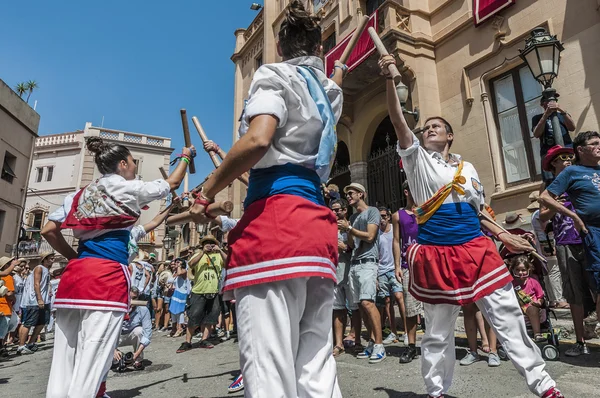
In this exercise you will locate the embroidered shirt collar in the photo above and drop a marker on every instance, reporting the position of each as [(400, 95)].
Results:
[(310, 60)]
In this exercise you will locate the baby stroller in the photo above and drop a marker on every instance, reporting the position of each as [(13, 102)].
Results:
[(549, 347)]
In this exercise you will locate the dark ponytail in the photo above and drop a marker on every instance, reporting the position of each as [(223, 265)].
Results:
[(107, 156), (300, 33)]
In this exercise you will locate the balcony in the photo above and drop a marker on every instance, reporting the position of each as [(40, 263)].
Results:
[(59, 139), (127, 137), (31, 249)]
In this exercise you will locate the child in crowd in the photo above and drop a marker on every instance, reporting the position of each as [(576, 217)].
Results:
[(529, 292)]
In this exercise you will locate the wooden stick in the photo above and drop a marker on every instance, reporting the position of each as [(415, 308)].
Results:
[(485, 215), (362, 22), (186, 138), (383, 51), (215, 209), (213, 155)]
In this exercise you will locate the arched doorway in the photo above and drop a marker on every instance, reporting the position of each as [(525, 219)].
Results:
[(384, 175), (340, 172)]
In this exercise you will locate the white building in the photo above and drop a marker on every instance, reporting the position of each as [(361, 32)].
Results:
[(62, 165)]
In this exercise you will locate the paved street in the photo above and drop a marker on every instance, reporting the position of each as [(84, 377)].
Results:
[(207, 373)]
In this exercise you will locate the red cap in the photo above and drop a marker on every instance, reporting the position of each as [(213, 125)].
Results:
[(553, 153)]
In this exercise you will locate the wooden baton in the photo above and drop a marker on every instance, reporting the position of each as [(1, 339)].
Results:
[(186, 137), (213, 156), (362, 22), (395, 74), (215, 209)]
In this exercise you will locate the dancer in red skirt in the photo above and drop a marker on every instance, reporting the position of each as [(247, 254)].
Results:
[(453, 264), (283, 251)]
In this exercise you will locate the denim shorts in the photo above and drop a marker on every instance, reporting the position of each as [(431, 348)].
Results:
[(388, 284), (363, 282)]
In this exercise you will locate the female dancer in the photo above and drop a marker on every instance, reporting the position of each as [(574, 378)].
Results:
[(93, 295), (283, 291)]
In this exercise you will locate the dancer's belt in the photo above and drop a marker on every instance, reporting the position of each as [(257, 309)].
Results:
[(427, 209)]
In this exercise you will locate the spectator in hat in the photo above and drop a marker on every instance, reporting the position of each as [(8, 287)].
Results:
[(542, 129), (7, 299), (55, 272)]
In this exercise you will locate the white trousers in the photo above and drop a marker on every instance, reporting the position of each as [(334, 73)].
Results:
[(133, 339), (286, 340), (84, 343), (501, 310), (554, 280)]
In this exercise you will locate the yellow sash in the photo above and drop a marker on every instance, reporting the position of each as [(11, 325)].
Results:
[(427, 209)]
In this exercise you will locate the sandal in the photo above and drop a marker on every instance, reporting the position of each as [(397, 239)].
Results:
[(539, 338), (485, 348), (563, 305), (179, 333), (337, 351)]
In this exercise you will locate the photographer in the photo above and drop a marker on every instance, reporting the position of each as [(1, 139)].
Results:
[(203, 308), (136, 330)]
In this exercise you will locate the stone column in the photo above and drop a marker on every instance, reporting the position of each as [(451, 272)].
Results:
[(358, 173)]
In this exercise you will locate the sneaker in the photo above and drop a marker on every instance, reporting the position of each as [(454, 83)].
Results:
[(24, 350), (577, 350), (237, 385), (408, 355), (226, 336), (366, 353), (405, 339), (198, 336), (205, 344), (378, 354), (33, 347), (469, 359), (138, 365), (391, 338), (493, 360), (221, 333), (184, 347), (553, 393)]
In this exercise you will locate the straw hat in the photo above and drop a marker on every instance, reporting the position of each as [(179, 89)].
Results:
[(356, 186), (5, 260), (512, 220), (209, 238), (45, 255)]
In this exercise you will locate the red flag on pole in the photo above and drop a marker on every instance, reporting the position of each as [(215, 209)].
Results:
[(484, 9), (363, 49)]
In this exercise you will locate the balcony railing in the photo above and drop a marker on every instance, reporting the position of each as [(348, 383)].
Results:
[(33, 248), (58, 139)]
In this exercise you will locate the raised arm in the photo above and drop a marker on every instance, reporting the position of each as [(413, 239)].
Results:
[(177, 175), (403, 132)]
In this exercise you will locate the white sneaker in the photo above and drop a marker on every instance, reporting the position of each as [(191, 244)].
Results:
[(367, 352), (378, 354), (391, 338), (24, 350), (406, 339), (469, 359)]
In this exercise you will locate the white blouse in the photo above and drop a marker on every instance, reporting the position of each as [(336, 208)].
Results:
[(279, 90)]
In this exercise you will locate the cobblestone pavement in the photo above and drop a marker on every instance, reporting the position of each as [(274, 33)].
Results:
[(207, 373)]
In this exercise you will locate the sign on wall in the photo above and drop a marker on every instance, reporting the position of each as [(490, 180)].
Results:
[(484, 9)]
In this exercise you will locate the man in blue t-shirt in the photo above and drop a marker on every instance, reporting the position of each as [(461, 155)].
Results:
[(582, 183), (542, 129)]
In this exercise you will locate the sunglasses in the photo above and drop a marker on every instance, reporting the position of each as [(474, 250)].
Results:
[(338, 210), (566, 156)]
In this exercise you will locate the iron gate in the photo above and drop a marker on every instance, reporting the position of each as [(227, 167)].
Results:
[(385, 178)]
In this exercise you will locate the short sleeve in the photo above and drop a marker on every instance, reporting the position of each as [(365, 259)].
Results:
[(60, 215), (137, 233), (336, 97), (534, 121), (9, 283), (411, 150), (373, 217), (149, 191), (227, 224), (561, 183), (266, 95), (537, 290)]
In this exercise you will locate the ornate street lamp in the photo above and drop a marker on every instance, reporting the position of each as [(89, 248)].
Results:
[(167, 241), (542, 56), (402, 92)]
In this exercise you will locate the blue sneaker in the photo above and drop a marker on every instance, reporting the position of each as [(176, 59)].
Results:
[(366, 352), (237, 385), (378, 354)]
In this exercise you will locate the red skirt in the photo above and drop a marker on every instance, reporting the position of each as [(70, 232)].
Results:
[(94, 284), (282, 237), (459, 275)]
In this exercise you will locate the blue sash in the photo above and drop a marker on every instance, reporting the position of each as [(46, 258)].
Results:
[(288, 179), (451, 224), (110, 246)]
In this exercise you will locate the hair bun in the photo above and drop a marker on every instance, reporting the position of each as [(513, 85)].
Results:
[(299, 17), (94, 144)]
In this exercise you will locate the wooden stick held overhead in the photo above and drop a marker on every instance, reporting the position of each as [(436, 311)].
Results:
[(362, 22), (395, 74), (186, 137)]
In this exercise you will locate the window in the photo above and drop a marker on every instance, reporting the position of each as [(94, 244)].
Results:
[(259, 60), (329, 43), (516, 99), (372, 5), (2, 216), (39, 175), (8, 165), (50, 173), (38, 218)]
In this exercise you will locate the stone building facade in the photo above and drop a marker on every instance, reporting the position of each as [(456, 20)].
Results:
[(18, 132), (61, 165), (469, 74)]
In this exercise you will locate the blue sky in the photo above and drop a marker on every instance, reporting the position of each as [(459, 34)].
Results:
[(134, 62)]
